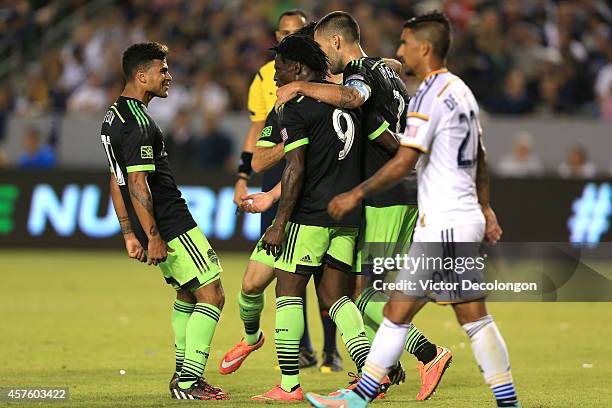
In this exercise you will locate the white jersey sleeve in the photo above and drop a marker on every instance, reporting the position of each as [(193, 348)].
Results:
[(422, 119)]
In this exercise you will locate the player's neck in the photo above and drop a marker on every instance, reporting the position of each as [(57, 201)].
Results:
[(131, 91), (354, 52), (428, 70)]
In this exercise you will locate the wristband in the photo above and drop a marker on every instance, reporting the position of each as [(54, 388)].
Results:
[(245, 163)]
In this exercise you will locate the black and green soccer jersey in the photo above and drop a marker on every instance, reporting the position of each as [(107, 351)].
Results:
[(333, 157), (270, 136), (133, 142), (385, 109)]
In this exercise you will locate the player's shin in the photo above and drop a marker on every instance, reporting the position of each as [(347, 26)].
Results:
[(387, 348), (199, 334), (492, 356), (348, 319), (250, 306), (180, 316), (289, 330)]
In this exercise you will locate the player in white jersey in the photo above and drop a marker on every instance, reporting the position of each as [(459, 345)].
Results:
[(443, 133)]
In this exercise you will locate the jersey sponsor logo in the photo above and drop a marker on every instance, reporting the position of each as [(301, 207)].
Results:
[(266, 132), (212, 256), (146, 152), (306, 259)]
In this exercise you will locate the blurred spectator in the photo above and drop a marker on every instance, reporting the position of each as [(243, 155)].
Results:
[(90, 97), (180, 141), (208, 97), (522, 162), (605, 105), (515, 98), (214, 151), (6, 107), (603, 83), (577, 164), (36, 155), (4, 162)]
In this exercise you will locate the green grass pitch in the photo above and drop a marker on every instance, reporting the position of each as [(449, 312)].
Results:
[(77, 318)]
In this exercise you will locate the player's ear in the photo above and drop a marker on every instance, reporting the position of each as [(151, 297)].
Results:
[(277, 34), (335, 41), (141, 76), (425, 48)]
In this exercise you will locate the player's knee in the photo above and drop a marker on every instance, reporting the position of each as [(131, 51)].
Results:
[(396, 313), (253, 286)]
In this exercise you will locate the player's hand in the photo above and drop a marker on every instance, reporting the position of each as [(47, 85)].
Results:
[(158, 250), (286, 93), (493, 231), (257, 203), (273, 240), (342, 204), (241, 190), (134, 249)]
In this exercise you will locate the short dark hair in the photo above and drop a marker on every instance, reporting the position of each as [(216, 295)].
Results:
[(293, 12), (303, 49), (140, 56), (308, 30), (341, 22), (434, 28)]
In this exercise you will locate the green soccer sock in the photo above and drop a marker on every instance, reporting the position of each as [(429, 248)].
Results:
[(371, 304), (180, 316), (250, 309), (199, 334), (350, 323), (289, 330)]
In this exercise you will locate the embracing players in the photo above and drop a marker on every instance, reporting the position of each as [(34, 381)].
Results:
[(443, 133)]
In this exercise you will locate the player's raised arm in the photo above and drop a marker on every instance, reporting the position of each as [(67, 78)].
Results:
[(142, 201), (493, 230), (132, 245), (350, 96), (392, 172)]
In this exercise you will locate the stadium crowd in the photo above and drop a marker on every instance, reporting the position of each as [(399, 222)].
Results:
[(519, 56)]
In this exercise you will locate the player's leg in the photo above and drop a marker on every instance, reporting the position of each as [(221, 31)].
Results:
[(194, 267), (181, 312), (489, 349)]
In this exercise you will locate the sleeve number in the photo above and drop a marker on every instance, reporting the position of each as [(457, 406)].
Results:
[(346, 135), (466, 157)]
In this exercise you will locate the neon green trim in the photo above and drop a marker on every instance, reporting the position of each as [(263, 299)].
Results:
[(265, 143), (129, 104), (377, 64), (296, 144), (378, 131), (142, 119), (141, 167), (142, 114), (118, 114)]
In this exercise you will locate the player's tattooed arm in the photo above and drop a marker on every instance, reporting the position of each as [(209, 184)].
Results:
[(142, 201), (120, 208), (266, 157), (347, 97), (291, 184)]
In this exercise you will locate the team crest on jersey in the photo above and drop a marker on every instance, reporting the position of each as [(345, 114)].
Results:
[(284, 134), (266, 132), (212, 256), (146, 152)]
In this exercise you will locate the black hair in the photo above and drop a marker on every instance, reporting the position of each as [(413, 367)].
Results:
[(140, 56), (308, 30), (292, 12), (433, 27), (303, 49), (341, 22)]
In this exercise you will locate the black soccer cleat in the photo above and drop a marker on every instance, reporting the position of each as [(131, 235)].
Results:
[(307, 359), (200, 390), (173, 382), (397, 374)]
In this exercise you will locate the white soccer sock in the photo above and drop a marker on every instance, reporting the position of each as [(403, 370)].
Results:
[(386, 350), (492, 356)]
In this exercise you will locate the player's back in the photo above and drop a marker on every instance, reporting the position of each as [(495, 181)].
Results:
[(385, 109), (333, 156), (443, 122)]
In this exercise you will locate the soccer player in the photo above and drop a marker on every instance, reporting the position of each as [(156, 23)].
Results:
[(153, 215), (444, 131), (322, 153), (267, 155), (390, 217)]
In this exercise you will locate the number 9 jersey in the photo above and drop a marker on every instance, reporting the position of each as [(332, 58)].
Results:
[(333, 157), (443, 124)]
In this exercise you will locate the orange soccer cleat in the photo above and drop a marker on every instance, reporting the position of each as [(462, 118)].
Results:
[(278, 394), (233, 359), (432, 372)]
